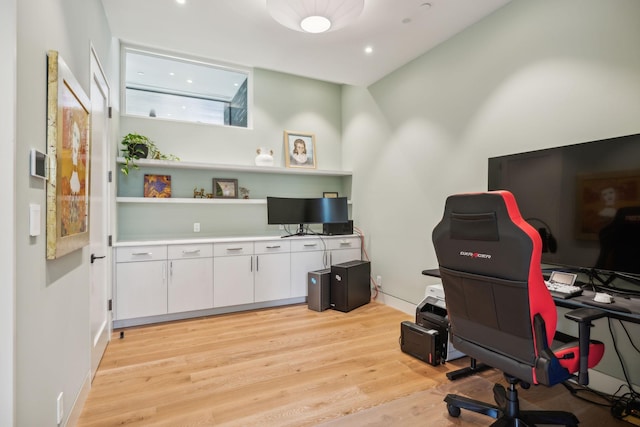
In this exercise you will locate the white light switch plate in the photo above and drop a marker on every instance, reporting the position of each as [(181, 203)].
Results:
[(34, 219)]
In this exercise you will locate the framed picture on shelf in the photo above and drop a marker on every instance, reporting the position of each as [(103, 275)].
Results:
[(330, 194), (225, 188), (68, 136), (158, 186), (300, 149)]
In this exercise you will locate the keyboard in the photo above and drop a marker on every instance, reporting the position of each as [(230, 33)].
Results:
[(562, 290)]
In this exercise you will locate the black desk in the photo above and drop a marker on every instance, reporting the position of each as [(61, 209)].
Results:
[(622, 308)]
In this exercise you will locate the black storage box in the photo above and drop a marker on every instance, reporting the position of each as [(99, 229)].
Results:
[(421, 343), (350, 285)]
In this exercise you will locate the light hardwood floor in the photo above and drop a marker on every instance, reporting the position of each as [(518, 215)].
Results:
[(287, 366)]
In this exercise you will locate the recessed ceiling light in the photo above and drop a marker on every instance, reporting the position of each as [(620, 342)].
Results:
[(189, 81), (172, 74), (368, 50), (181, 1), (140, 73), (426, 5)]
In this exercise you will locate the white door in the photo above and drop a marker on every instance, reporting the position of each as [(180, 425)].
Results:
[(99, 216)]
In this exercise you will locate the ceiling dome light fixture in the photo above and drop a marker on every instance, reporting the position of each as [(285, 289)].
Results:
[(313, 16)]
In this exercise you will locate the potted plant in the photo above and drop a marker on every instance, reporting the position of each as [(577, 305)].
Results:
[(136, 146)]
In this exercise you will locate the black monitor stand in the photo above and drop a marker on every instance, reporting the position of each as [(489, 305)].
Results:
[(299, 232)]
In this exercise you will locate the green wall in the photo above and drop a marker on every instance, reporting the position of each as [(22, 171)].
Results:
[(534, 74)]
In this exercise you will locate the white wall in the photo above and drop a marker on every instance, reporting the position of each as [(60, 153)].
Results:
[(533, 75), (52, 297), (7, 215)]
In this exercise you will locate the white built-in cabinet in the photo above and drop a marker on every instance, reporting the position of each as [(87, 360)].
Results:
[(233, 274), (190, 275), (273, 262), (141, 281), (179, 280)]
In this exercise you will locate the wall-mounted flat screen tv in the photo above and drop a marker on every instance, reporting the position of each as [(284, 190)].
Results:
[(584, 199)]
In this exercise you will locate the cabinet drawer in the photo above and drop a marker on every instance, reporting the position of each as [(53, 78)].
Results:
[(190, 251), (272, 246), (303, 245), (231, 249), (343, 243), (141, 253)]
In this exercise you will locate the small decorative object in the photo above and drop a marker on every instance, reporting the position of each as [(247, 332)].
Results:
[(264, 157), (137, 147), (68, 148), (330, 194), (244, 192), (224, 188), (157, 186), (198, 194), (300, 149)]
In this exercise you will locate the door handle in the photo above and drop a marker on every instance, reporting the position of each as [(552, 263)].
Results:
[(94, 257)]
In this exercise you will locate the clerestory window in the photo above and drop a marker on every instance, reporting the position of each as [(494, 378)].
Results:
[(167, 86)]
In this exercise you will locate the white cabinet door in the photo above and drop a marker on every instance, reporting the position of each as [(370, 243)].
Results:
[(344, 249), (141, 289), (301, 264), (190, 284), (272, 277), (339, 256), (232, 280), (190, 277)]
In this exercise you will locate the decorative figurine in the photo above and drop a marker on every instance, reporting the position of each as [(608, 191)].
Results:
[(244, 192), (264, 157), (198, 194)]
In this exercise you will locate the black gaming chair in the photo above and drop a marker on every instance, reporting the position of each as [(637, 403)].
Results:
[(500, 310)]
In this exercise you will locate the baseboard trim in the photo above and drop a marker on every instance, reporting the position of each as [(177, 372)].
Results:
[(76, 410), (397, 303), (606, 383)]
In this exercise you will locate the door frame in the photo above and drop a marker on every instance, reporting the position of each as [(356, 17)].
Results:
[(98, 76)]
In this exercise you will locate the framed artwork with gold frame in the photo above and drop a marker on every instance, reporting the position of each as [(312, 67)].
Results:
[(300, 149), (68, 150)]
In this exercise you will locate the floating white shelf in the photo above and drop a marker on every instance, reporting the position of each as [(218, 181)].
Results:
[(236, 168), (185, 200)]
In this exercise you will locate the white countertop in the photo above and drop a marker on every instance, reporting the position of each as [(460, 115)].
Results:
[(191, 241)]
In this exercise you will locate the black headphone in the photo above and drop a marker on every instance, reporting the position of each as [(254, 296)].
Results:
[(549, 243)]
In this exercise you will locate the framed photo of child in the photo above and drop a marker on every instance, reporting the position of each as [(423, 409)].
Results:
[(300, 149)]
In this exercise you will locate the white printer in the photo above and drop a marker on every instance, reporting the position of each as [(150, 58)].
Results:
[(431, 313)]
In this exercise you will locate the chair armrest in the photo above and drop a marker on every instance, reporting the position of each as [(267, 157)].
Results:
[(581, 315), (584, 317)]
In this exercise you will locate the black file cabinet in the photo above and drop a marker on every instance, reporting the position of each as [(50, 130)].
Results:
[(350, 285)]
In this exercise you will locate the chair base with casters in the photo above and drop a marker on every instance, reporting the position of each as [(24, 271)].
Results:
[(507, 411)]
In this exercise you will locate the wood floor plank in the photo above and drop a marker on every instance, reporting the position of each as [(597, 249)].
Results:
[(286, 366)]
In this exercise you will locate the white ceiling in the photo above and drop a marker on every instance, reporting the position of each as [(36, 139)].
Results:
[(242, 32)]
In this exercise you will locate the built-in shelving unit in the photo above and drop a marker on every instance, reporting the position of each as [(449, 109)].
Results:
[(143, 218)]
